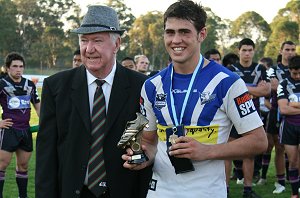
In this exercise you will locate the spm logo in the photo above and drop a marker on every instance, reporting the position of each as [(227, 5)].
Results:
[(244, 104)]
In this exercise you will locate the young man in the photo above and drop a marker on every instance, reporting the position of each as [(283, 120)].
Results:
[(76, 149), (213, 54), (129, 63), (277, 74), (142, 64), (191, 106), (16, 93), (288, 94), (77, 58)]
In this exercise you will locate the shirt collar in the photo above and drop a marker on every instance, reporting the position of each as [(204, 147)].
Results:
[(108, 79)]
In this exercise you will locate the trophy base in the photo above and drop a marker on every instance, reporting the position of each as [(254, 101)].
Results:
[(138, 159)]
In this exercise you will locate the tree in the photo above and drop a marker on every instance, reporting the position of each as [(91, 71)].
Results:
[(146, 37), (9, 38), (252, 25), (126, 20), (285, 26)]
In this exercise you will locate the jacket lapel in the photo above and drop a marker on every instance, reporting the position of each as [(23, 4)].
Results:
[(79, 96), (118, 96)]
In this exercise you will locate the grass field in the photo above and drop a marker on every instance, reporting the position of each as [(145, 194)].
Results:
[(11, 191)]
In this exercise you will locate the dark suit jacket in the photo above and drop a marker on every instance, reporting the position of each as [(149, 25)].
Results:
[(64, 138)]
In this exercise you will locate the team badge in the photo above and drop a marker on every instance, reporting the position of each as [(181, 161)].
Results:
[(160, 101), (244, 104), (206, 97)]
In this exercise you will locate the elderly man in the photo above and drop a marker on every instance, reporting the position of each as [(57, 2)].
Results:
[(83, 118)]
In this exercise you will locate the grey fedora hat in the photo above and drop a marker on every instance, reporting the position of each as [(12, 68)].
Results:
[(99, 19)]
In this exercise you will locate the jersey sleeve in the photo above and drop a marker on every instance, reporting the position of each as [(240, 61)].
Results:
[(146, 108), (281, 90), (240, 108), (34, 94)]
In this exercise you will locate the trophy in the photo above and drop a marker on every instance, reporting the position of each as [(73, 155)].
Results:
[(132, 137)]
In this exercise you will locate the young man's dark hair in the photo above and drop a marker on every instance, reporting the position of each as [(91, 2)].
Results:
[(211, 51), (230, 59), (287, 43), (128, 58), (294, 62), (267, 60), (13, 56), (246, 41), (187, 10)]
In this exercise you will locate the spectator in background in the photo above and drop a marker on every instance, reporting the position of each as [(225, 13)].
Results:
[(77, 58), (129, 63), (230, 59), (213, 54), (142, 64), (15, 134)]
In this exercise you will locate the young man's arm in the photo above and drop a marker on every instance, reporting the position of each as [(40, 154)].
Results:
[(287, 109), (37, 107), (252, 143)]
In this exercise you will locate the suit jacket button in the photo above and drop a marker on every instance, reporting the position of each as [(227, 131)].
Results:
[(77, 192)]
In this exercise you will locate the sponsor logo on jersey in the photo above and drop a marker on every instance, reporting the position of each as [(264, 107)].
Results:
[(206, 97), (160, 101), (244, 104)]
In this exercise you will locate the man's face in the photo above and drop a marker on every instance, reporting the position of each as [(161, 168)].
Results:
[(246, 53), (287, 52), (98, 52), (128, 64), (77, 60), (16, 70), (142, 64), (216, 58), (295, 74), (182, 40)]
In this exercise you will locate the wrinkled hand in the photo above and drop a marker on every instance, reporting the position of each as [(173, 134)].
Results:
[(187, 147), (149, 149), (6, 123)]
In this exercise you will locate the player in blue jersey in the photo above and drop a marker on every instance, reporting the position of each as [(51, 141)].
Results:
[(16, 94), (288, 93), (191, 106)]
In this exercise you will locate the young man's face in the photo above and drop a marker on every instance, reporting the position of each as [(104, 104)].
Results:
[(246, 53), (295, 74), (287, 52), (128, 64), (16, 70), (182, 41), (216, 58), (77, 60)]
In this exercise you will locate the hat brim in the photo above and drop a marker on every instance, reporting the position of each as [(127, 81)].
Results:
[(90, 30)]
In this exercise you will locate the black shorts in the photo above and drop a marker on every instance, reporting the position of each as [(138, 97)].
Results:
[(13, 139), (272, 122), (290, 134)]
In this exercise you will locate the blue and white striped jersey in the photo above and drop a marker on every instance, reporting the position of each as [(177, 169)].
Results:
[(219, 98)]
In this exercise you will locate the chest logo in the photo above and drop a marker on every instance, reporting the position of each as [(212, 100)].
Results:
[(206, 97), (160, 101)]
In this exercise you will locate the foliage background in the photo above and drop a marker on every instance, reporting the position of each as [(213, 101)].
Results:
[(40, 30)]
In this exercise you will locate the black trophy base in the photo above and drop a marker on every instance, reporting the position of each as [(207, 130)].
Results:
[(138, 158)]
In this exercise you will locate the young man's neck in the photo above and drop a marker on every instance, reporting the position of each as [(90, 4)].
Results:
[(246, 63)]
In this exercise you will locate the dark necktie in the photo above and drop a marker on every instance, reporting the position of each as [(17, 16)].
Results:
[(96, 173)]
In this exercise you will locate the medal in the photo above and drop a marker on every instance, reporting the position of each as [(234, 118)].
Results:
[(173, 138)]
